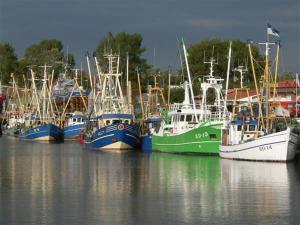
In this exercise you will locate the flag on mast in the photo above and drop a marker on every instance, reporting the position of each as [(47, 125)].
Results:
[(272, 31)]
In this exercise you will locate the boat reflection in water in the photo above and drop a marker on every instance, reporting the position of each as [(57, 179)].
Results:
[(63, 184), (257, 192)]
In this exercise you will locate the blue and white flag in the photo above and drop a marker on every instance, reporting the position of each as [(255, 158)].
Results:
[(272, 31)]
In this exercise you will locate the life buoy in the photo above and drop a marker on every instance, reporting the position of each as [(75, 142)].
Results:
[(121, 127)]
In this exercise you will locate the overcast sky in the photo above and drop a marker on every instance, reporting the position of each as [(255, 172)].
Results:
[(81, 24)]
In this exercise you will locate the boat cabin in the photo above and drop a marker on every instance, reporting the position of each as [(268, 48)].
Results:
[(76, 119), (109, 119), (240, 131)]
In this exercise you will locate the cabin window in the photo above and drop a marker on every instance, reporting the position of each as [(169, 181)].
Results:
[(189, 118), (182, 118), (251, 127), (213, 136), (107, 122), (117, 121), (245, 127), (74, 119), (126, 121), (239, 127)]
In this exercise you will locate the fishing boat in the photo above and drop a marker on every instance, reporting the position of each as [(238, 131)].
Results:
[(72, 101), (193, 128), (40, 122), (75, 124), (112, 126), (259, 136), (14, 123), (14, 109), (152, 113)]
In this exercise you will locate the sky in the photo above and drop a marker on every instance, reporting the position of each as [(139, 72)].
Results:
[(81, 24)]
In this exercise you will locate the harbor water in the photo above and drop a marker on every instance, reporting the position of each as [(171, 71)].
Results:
[(67, 184)]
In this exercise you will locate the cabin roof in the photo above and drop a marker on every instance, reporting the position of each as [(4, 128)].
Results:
[(241, 122), (153, 119), (116, 116)]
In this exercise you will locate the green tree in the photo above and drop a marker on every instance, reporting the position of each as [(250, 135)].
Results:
[(287, 76), (204, 50), (123, 43), (8, 62), (49, 52)]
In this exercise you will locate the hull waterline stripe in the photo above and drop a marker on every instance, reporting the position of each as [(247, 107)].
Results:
[(191, 143), (251, 147), (88, 142)]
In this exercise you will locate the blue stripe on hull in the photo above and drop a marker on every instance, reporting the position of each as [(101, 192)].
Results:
[(41, 132), (73, 131), (104, 137)]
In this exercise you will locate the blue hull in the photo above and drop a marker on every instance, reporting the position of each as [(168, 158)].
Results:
[(72, 132), (114, 137), (47, 132), (146, 143)]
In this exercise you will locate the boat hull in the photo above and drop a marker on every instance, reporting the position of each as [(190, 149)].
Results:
[(12, 131), (204, 139), (114, 137), (281, 146), (49, 132), (146, 143), (73, 132)]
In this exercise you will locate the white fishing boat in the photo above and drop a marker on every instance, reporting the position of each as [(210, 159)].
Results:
[(259, 136)]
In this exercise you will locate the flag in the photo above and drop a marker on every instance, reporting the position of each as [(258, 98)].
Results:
[(250, 42), (272, 31)]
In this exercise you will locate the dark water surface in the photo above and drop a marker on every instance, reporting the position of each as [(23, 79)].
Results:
[(67, 184)]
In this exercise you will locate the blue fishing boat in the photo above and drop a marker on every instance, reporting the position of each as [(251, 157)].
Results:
[(47, 132), (74, 126), (112, 126), (41, 123), (119, 133)]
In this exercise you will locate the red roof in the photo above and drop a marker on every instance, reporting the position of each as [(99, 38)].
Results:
[(240, 94), (287, 84)]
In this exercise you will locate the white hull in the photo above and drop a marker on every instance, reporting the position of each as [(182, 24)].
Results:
[(45, 138), (281, 146), (119, 145)]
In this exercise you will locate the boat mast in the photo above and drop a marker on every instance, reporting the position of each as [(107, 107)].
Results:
[(267, 83), (259, 100), (190, 80), (35, 95), (297, 81), (169, 87), (227, 77), (127, 74), (15, 86), (241, 70), (44, 92)]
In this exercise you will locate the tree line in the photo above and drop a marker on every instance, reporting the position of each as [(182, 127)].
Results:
[(52, 52)]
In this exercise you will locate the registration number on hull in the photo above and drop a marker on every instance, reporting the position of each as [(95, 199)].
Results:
[(201, 135), (265, 147)]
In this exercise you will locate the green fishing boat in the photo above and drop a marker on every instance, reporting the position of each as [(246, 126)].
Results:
[(204, 138), (191, 128)]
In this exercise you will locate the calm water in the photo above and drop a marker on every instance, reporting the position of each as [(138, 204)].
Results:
[(67, 184)]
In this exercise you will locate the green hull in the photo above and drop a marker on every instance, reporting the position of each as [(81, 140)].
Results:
[(202, 140)]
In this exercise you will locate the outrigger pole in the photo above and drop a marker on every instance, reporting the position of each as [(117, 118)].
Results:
[(190, 81), (227, 77), (260, 115)]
